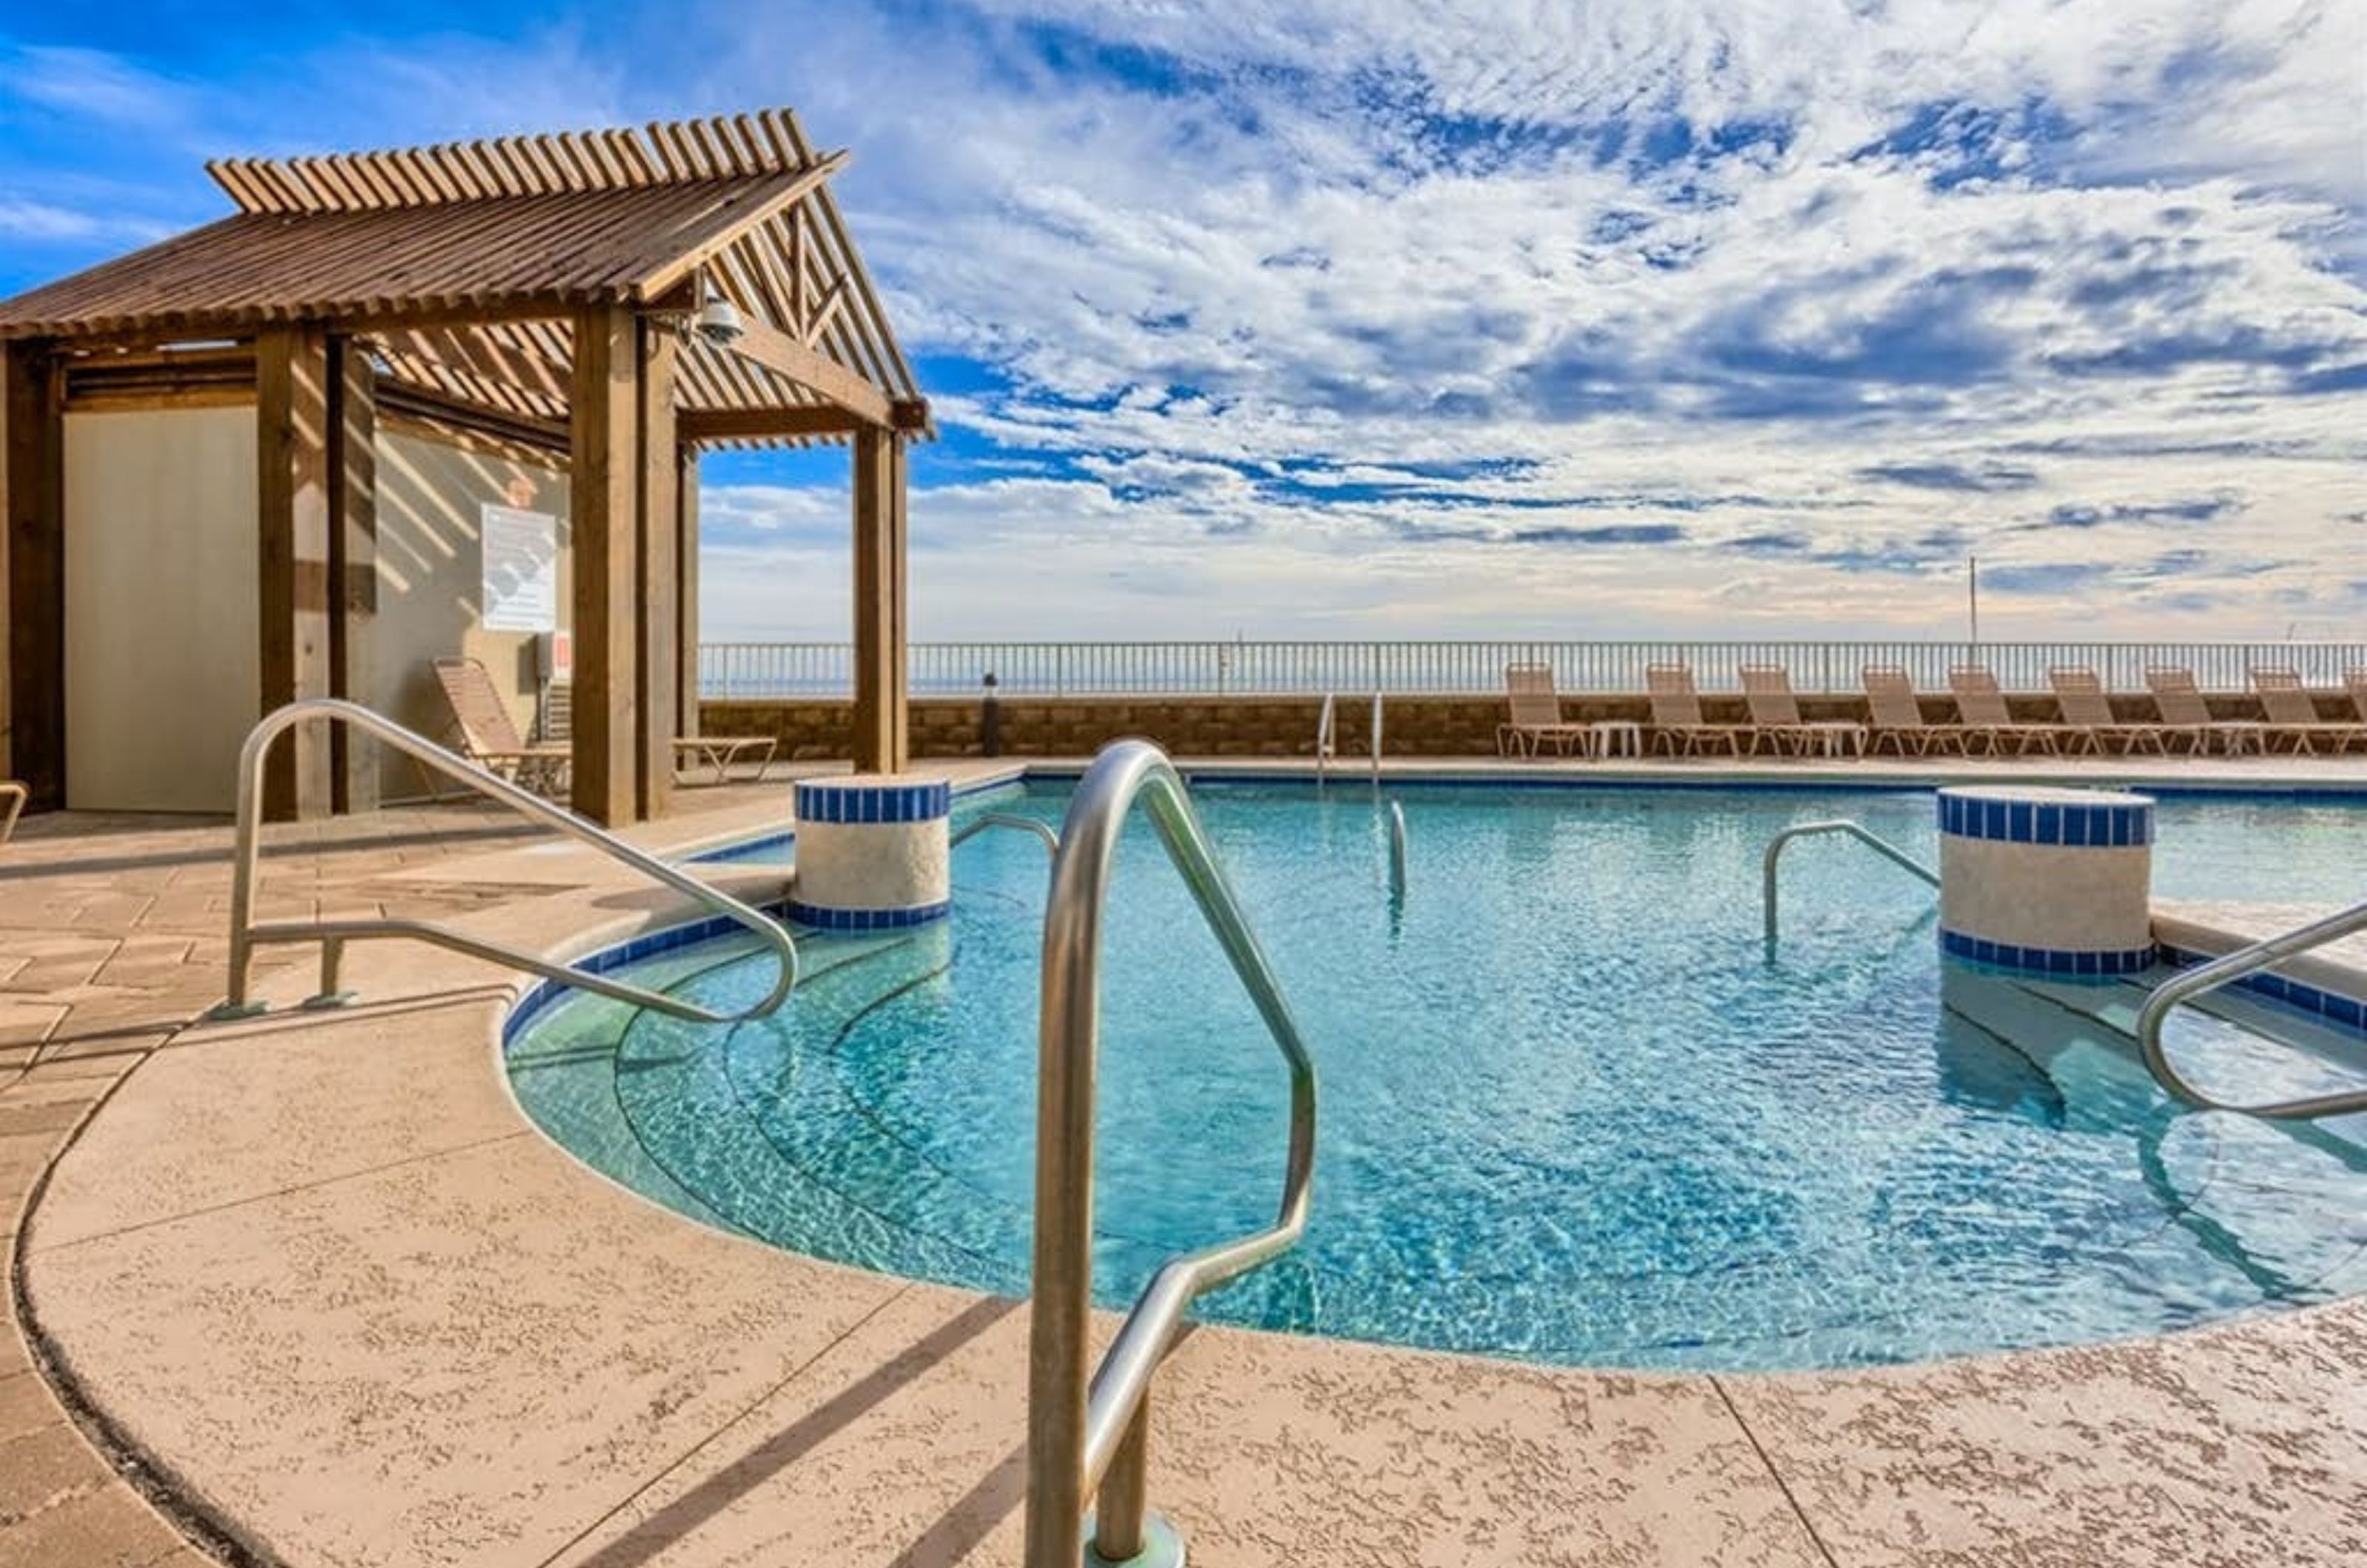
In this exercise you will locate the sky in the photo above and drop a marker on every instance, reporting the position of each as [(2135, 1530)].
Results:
[(1358, 319)]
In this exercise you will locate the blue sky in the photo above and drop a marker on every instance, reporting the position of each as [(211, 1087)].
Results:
[(1347, 319)]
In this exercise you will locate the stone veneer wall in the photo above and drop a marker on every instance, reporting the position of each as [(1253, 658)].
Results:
[(812, 729)]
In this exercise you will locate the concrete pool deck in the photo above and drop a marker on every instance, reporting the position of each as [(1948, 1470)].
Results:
[(314, 1283)]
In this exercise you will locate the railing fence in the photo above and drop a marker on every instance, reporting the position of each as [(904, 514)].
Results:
[(772, 669)]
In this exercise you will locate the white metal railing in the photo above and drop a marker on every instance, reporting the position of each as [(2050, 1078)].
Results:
[(2187, 985), (1376, 739), (778, 669), (246, 933), (1081, 1435), (1326, 743)]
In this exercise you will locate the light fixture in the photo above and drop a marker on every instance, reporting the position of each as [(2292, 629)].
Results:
[(717, 320)]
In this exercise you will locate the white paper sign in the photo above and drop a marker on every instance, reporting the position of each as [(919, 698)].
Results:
[(521, 570)]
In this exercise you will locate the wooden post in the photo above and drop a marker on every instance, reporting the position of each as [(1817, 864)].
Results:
[(32, 574), (603, 495), (658, 509), (291, 389), (353, 564), (686, 701), (879, 703)]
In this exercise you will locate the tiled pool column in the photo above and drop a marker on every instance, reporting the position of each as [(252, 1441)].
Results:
[(2054, 881), (872, 852)]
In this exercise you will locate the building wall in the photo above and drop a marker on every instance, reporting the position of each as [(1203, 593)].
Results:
[(431, 579), (161, 658)]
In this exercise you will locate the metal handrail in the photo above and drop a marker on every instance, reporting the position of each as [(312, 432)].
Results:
[(1880, 845), (246, 935), (13, 796), (2190, 983), (985, 820), (1323, 739), (1080, 1436), (1397, 850), (1377, 738)]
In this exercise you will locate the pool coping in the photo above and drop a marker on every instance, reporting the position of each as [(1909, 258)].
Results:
[(1850, 1467)]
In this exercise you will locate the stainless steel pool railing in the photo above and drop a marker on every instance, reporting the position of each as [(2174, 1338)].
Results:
[(2188, 985), (1397, 852), (246, 934), (1881, 846), (1080, 1436), (1324, 741), (1376, 739), (988, 819)]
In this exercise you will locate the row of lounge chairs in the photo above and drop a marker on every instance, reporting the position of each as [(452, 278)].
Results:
[(1984, 724)]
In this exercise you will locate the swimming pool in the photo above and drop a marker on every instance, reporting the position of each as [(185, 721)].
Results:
[(1571, 1110)]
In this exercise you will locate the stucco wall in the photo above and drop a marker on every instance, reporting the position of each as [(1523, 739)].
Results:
[(161, 658), (431, 579)]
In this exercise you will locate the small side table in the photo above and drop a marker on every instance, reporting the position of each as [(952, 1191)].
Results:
[(1839, 737), (1607, 738)]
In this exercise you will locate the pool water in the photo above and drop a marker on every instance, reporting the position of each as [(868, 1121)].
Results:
[(1570, 1108)]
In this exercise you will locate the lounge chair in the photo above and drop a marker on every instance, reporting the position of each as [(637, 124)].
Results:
[(488, 735), (13, 796), (2186, 715), (1534, 714), (716, 751), (2088, 714), (1982, 710), (2292, 713), (1897, 715), (2355, 683), (1677, 714), (1775, 717)]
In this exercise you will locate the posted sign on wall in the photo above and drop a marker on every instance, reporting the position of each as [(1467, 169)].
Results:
[(521, 570)]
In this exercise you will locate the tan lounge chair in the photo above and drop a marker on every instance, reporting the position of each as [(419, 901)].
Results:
[(2355, 683), (13, 796), (1982, 709), (1897, 715), (1775, 717), (2088, 714), (2187, 716), (1533, 715), (2292, 713), (489, 737), (716, 751), (1677, 714)]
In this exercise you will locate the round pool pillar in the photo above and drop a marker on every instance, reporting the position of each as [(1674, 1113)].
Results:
[(873, 851), (2048, 880)]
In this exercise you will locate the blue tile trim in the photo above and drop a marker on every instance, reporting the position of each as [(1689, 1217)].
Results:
[(873, 803), (827, 920), (2046, 960), (544, 992), (745, 850), (2329, 1007), (2068, 824)]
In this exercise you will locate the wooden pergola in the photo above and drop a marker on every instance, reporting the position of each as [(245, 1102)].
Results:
[(542, 291)]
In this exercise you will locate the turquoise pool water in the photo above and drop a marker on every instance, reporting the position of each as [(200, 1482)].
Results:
[(1571, 1112)]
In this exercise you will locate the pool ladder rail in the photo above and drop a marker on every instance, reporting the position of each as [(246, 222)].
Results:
[(1327, 743), (246, 933), (2162, 1000), (1773, 858), (1085, 1435), (2188, 985)]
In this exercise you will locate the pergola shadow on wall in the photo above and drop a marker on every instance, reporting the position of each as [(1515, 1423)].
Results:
[(571, 297)]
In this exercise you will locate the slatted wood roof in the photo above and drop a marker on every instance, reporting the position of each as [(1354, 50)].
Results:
[(461, 261)]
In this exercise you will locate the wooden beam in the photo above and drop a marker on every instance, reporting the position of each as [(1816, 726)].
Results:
[(776, 350), (766, 425), (690, 261), (658, 466), (32, 574), (353, 565), (604, 497), (292, 558), (880, 701), (686, 704)]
